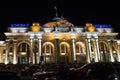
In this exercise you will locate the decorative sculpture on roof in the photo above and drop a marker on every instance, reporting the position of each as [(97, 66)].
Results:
[(58, 22), (35, 27), (90, 27)]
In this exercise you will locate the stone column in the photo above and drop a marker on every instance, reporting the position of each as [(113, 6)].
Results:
[(97, 54), (118, 50), (89, 48), (110, 50), (39, 36), (97, 46), (31, 51), (14, 53), (7, 52), (88, 42), (39, 54), (88, 52), (74, 50), (1, 52), (96, 51), (73, 46), (57, 47)]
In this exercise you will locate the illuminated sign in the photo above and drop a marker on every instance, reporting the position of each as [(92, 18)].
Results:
[(20, 25), (103, 25)]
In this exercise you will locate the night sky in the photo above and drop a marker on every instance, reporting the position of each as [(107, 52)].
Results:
[(76, 12)]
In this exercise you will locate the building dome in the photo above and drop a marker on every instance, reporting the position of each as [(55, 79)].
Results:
[(50, 24), (63, 22), (59, 23)]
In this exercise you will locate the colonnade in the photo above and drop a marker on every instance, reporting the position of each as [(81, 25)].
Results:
[(90, 37)]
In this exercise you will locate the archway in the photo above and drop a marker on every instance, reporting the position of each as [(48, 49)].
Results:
[(10, 55), (23, 53), (104, 51), (80, 52), (48, 52), (65, 56)]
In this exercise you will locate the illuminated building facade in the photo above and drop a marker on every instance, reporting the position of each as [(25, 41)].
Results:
[(59, 41)]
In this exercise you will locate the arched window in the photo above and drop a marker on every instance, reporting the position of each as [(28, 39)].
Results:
[(63, 49)]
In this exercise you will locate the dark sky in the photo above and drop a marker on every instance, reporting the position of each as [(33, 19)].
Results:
[(76, 12)]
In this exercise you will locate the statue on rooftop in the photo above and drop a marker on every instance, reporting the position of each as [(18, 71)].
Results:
[(90, 27)]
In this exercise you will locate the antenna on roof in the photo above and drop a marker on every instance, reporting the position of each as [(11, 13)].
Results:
[(56, 11), (56, 14)]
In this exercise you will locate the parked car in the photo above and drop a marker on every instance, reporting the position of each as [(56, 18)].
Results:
[(54, 72), (89, 71), (98, 71), (29, 70)]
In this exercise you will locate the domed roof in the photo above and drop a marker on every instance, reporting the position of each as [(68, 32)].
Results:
[(59, 23), (50, 24), (64, 22)]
